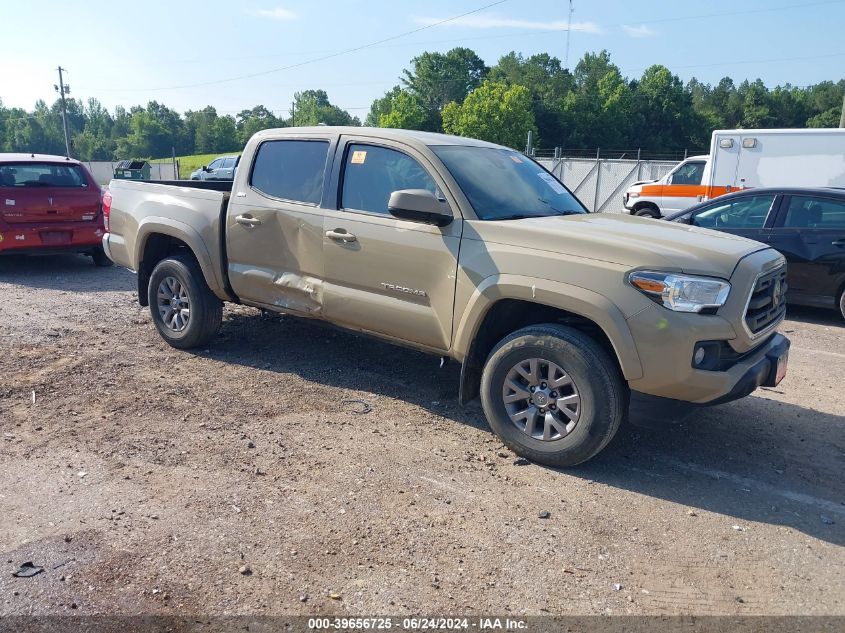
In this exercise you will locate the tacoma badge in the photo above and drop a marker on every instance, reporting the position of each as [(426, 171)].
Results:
[(410, 291)]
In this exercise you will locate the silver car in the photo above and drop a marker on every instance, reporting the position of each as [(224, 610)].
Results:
[(222, 168)]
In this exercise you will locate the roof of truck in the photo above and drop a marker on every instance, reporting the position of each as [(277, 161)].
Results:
[(426, 138), (35, 158)]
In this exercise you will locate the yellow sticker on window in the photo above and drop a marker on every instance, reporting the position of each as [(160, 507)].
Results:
[(359, 157)]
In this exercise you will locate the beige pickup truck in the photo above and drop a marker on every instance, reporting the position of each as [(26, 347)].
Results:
[(465, 250)]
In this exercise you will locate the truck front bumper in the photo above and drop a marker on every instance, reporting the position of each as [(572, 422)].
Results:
[(666, 343), (43, 237), (767, 371)]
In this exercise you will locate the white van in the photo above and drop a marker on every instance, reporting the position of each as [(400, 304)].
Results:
[(741, 159)]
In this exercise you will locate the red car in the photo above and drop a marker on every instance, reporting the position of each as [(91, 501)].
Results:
[(50, 204)]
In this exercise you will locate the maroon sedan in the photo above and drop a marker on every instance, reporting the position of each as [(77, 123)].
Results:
[(49, 204)]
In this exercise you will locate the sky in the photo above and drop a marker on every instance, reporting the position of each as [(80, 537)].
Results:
[(191, 54)]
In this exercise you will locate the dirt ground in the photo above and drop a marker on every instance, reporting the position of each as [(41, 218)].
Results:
[(244, 479)]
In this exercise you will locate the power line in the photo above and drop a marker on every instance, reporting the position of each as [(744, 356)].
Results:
[(314, 60), (451, 40)]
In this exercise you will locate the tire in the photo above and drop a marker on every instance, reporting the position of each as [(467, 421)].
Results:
[(100, 258), (596, 381), (648, 212), (180, 277), (842, 303)]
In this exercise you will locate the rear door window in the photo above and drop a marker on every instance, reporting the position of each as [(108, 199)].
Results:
[(291, 170), (41, 175), (749, 212), (372, 173), (805, 212)]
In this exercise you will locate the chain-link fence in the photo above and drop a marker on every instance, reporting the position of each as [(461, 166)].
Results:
[(600, 183), (103, 171)]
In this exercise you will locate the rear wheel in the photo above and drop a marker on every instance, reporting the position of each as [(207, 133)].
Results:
[(185, 311), (553, 395), (842, 303), (648, 212), (100, 258)]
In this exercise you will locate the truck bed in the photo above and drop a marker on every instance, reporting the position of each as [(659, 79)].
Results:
[(211, 185), (193, 210)]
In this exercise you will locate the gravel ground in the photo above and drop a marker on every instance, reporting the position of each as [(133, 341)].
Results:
[(245, 479)]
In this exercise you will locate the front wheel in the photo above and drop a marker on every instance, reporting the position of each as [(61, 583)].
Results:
[(842, 303), (185, 311), (553, 395), (647, 212)]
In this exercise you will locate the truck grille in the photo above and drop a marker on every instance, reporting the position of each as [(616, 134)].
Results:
[(768, 301)]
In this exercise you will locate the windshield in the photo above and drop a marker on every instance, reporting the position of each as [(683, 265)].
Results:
[(502, 184), (41, 175)]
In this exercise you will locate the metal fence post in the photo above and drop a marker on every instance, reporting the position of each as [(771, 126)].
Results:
[(639, 165), (598, 180)]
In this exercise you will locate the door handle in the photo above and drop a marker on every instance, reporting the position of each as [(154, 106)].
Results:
[(839, 243), (247, 220), (340, 235)]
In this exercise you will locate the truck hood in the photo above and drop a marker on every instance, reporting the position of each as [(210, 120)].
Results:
[(638, 185), (626, 240)]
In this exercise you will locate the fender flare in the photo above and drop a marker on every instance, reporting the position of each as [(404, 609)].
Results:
[(184, 232), (575, 299)]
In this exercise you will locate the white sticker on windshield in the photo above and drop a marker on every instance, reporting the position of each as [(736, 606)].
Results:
[(552, 182), (10, 202)]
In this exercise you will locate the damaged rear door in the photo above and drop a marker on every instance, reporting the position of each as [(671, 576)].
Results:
[(274, 225)]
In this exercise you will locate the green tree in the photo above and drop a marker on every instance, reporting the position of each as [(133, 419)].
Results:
[(436, 79), (492, 112), (312, 107), (756, 112), (405, 112), (664, 116), (596, 113), (94, 142), (548, 83), (248, 122), (381, 106), (153, 132), (225, 134), (200, 124)]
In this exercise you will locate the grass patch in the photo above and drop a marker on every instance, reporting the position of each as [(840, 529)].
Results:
[(188, 164)]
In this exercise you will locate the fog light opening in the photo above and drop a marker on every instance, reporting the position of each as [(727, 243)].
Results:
[(699, 356)]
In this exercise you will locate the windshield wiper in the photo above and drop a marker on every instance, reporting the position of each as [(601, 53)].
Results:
[(523, 216), (559, 211)]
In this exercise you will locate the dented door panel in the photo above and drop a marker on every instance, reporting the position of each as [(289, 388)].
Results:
[(279, 261)]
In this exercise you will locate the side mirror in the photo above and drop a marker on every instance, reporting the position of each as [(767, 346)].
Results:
[(205, 167), (419, 205)]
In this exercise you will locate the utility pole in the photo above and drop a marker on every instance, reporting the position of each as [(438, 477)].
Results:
[(62, 89), (568, 34), (293, 114)]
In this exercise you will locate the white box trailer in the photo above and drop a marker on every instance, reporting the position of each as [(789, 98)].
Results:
[(741, 159)]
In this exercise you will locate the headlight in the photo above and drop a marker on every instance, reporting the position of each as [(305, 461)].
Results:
[(633, 194), (681, 293)]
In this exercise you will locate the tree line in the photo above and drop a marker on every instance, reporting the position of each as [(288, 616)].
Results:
[(594, 105)]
